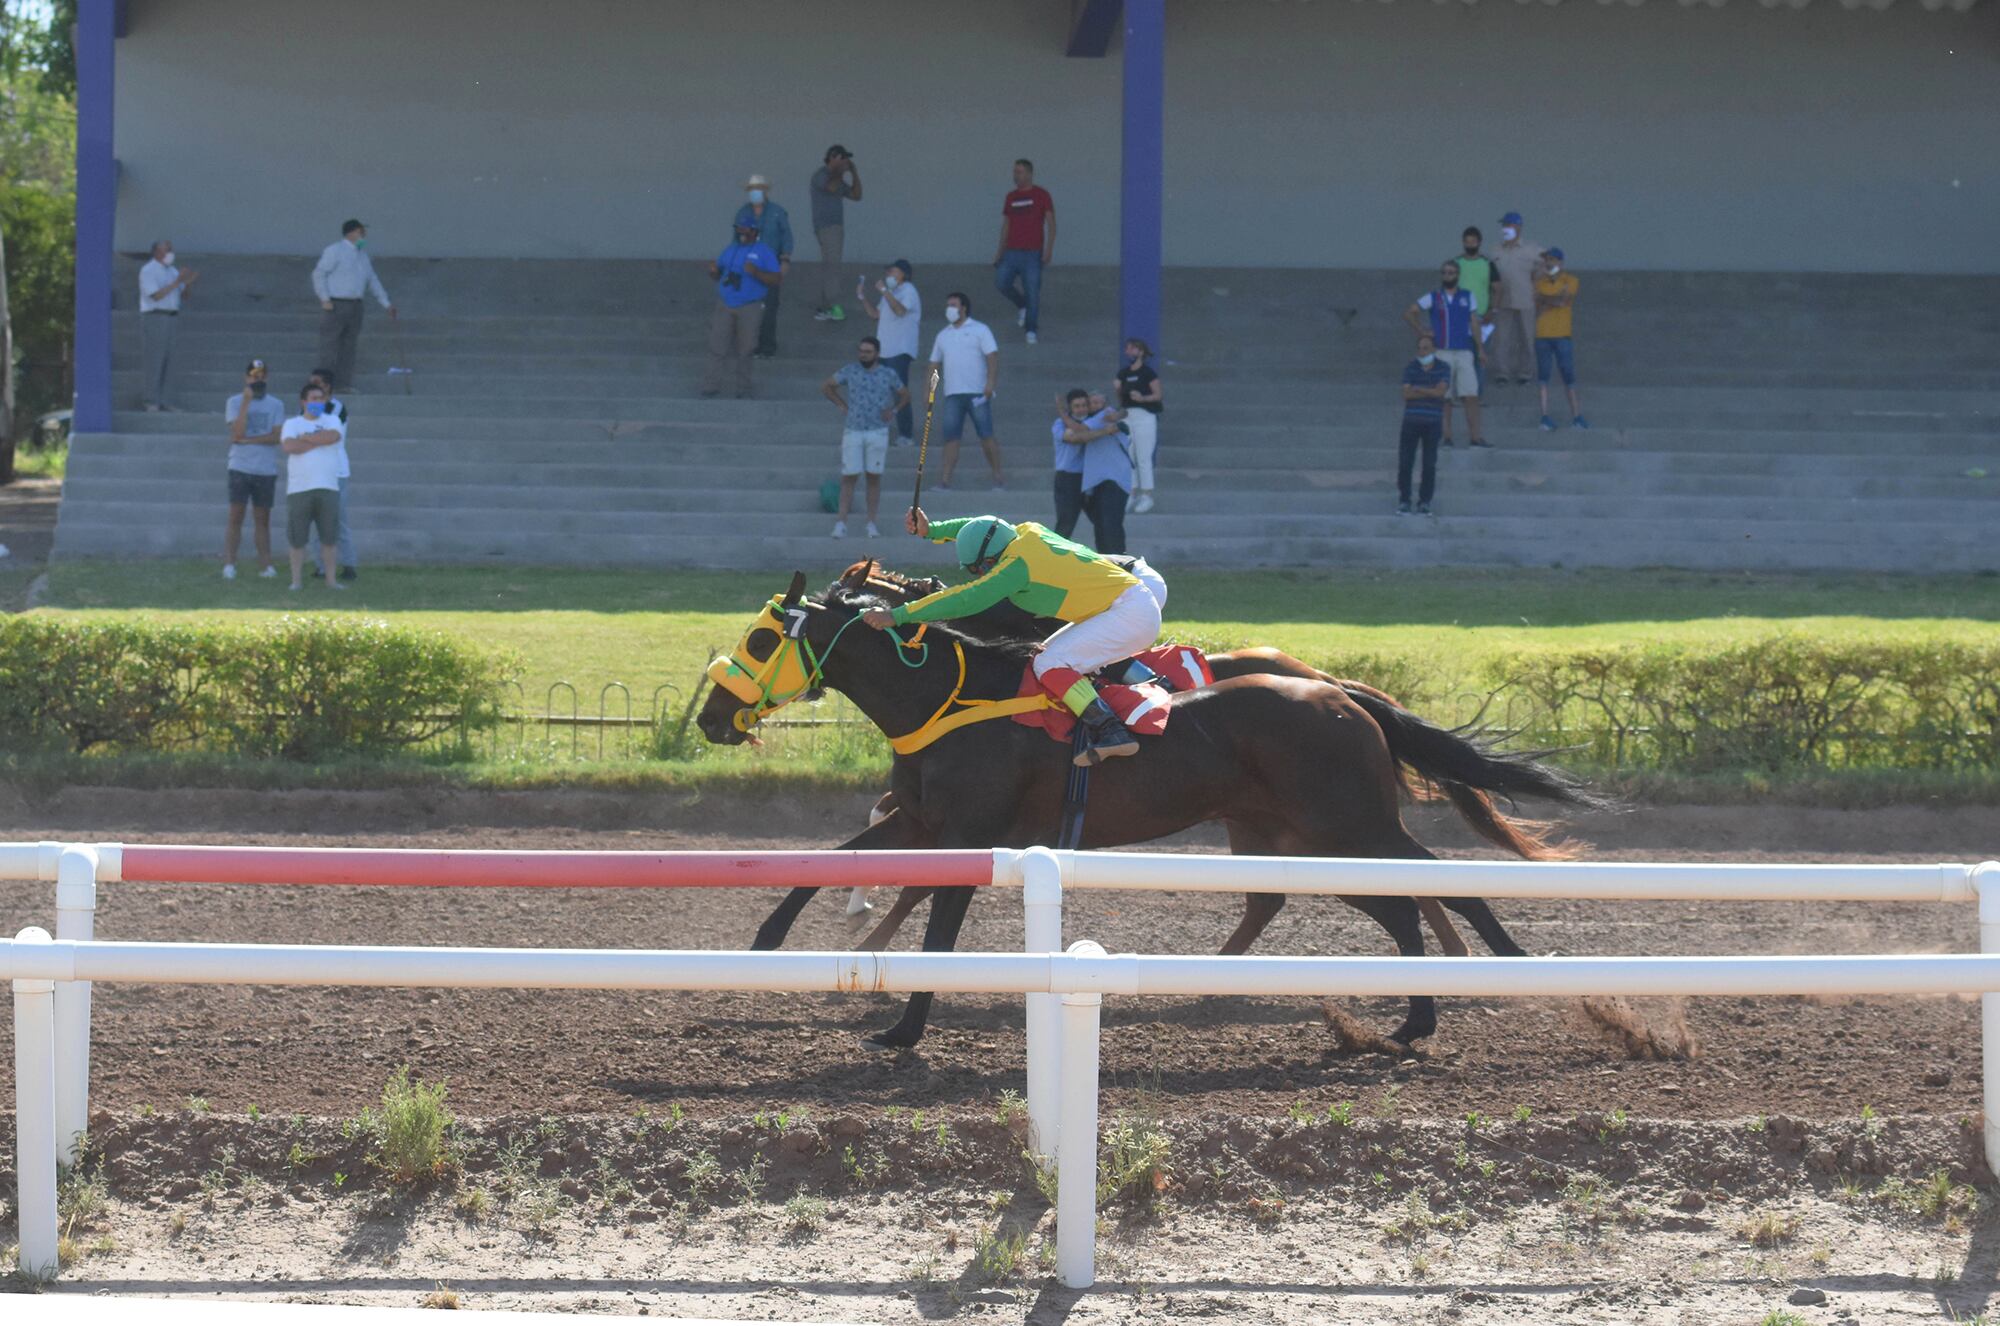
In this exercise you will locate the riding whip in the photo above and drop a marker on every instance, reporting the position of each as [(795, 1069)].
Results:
[(930, 403)]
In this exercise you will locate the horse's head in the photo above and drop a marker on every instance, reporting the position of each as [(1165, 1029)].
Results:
[(778, 660), (894, 587)]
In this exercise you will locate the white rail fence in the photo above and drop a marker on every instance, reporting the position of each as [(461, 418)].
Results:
[(1055, 1058)]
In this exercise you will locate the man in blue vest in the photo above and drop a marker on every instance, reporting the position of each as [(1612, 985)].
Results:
[(1450, 317)]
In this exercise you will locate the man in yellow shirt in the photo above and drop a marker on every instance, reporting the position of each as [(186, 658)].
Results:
[(1555, 298)]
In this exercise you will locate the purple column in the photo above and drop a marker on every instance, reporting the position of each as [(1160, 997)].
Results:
[(1139, 247), (96, 211)]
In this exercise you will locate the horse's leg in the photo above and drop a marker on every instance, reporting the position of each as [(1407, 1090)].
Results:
[(1259, 909), (885, 930), (857, 897), (940, 936), (896, 831), (1399, 916), (1447, 934), (1488, 925)]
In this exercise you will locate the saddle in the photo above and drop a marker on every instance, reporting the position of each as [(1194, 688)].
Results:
[(1142, 705)]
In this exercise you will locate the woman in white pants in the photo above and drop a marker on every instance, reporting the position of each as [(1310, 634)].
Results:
[(1139, 395)]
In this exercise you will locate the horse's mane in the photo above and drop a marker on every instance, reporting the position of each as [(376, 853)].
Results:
[(1011, 649), (997, 627)]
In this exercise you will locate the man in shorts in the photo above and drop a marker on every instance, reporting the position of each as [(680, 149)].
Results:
[(312, 484), (1449, 316), (255, 418), (968, 357), (874, 393), (1555, 299)]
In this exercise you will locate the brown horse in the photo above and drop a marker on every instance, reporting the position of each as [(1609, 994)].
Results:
[(1290, 766), (1424, 776)]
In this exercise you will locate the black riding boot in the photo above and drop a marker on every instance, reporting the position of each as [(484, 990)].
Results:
[(1104, 736)]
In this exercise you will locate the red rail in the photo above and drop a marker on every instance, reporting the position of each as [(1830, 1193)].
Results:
[(422, 867)]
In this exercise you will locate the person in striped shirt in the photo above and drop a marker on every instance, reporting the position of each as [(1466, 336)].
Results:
[(1426, 381)]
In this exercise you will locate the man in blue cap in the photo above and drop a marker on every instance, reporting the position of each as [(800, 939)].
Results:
[(743, 274), (1516, 263)]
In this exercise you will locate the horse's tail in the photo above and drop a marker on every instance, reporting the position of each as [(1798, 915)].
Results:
[(1468, 768)]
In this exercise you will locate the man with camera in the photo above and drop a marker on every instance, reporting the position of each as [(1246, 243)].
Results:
[(743, 273), (255, 418), (835, 184)]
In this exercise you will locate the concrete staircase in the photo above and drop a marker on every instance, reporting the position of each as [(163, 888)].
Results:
[(1739, 422)]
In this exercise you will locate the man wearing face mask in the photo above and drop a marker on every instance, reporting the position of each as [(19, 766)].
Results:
[(1513, 309), (744, 273), (342, 276), (312, 483), (1555, 297), (160, 286), (255, 419), (1426, 383), (774, 227), (897, 318), (1446, 316), (967, 359), (336, 409), (1475, 271)]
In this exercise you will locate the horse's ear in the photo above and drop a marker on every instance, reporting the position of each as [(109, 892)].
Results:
[(797, 591), (859, 574)]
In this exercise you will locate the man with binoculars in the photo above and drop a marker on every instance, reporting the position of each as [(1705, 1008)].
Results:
[(743, 274)]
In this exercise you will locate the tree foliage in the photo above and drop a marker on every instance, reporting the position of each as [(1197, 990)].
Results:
[(38, 200)]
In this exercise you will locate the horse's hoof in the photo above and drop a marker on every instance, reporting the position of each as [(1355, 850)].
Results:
[(884, 1042)]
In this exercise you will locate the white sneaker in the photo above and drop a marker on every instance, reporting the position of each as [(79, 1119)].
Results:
[(268, 573), (1020, 317), (229, 570), (873, 533), (1143, 505), (839, 529), (1032, 338)]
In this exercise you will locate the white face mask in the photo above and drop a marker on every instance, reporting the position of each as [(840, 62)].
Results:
[(1554, 268), (951, 313), (1509, 232), (756, 195), (892, 280), (1427, 360), (167, 258)]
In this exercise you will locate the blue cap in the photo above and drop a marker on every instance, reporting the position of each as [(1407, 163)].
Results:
[(1511, 219), (1557, 254)]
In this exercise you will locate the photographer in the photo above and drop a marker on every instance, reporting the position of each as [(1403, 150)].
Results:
[(743, 274)]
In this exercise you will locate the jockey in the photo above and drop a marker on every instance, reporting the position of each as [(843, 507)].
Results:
[(1111, 614)]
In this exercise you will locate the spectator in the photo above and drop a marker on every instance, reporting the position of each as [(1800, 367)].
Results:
[(1555, 300), (1426, 388), (1475, 272), (350, 568), (835, 184), (742, 273), (873, 395), (1071, 411), (897, 318), (340, 278), (312, 483), (255, 419), (774, 226), (968, 360), (1027, 245), (1139, 393), (160, 286), (1454, 328), (1514, 303), (1107, 476)]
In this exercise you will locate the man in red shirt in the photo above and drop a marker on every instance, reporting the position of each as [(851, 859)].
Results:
[(1027, 244)]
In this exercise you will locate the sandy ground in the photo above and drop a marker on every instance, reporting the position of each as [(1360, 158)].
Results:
[(1622, 1197)]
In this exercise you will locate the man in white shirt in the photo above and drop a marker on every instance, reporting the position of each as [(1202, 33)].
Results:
[(350, 566), (897, 318), (160, 286), (968, 358), (340, 279), (312, 483)]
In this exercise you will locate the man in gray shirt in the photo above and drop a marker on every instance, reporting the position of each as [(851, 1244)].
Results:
[(255, 418), (834, 184), (343, 275)]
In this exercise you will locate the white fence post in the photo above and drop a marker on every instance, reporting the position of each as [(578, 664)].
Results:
[(1076, 1176), (1986, 884), (1041, 905), (76, 918), (34, 1118)]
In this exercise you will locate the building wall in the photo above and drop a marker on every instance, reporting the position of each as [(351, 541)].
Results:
[(1298, 134)]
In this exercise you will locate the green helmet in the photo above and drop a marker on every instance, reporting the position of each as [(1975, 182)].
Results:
[(981, 538)]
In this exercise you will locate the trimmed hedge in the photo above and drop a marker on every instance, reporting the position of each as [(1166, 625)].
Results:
[(300, 688), (1783, 704)]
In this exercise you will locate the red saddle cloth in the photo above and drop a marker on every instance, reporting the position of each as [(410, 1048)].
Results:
[(1144, 709)]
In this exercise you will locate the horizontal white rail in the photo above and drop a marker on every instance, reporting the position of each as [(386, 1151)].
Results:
[(991, 973), (1706, 882)]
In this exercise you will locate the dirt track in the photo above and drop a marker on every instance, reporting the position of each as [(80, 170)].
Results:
[(327, 1051)]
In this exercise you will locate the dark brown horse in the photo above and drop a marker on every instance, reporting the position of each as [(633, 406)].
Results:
[(1426, 769), (1290, 766)]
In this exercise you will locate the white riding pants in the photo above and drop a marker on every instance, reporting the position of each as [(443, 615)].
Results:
[(1130, 624), (1154, 582)]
